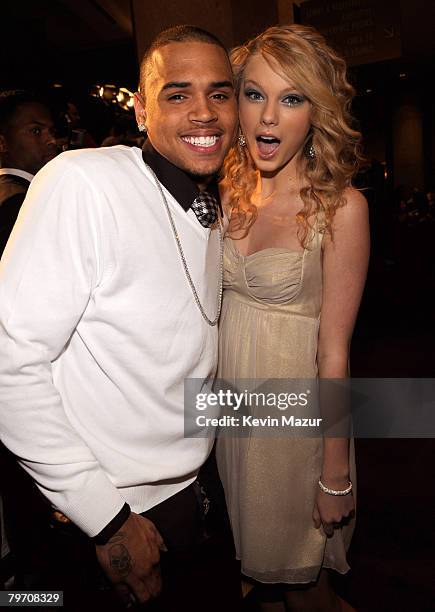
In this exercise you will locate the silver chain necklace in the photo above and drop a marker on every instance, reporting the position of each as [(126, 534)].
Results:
[(214, 321)]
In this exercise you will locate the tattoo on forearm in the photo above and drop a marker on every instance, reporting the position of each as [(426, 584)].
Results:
[(120, 560)]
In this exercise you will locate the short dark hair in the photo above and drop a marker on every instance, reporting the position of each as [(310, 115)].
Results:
[(11, 100), (180, 33)]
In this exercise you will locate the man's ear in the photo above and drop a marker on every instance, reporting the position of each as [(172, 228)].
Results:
[(139, 109), (3, 144)]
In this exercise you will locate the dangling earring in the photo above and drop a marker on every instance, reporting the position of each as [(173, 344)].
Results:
[(141, 127), (242, 140), (311, 152)]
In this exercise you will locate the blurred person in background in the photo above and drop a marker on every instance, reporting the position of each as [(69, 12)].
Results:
[(124, 131), (27, 142), (79, 137)]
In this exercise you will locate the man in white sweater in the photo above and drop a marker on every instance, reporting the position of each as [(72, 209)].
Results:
[(109, 296)]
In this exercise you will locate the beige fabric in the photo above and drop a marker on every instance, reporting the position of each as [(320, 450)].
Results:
[(269, 329)]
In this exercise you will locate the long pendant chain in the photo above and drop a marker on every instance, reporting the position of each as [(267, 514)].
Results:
[(214, 321)]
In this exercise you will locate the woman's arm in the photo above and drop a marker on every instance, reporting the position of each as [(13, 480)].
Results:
[(345, 261)]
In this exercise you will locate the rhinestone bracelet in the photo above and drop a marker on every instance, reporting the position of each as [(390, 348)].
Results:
[(333, 492)]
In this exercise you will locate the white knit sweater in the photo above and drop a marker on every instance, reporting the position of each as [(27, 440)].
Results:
[(98, 330)]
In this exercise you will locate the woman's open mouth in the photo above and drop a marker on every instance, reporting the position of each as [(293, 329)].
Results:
[(267, 146)]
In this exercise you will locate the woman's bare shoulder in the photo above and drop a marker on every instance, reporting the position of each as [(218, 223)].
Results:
[(354, 198), (353, 210)]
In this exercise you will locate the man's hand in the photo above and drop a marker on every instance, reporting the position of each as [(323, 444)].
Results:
[(131, 559)]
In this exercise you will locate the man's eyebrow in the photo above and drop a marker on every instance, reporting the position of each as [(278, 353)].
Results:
[(176, 85), (222, 84), (34, 123), (185, 84)]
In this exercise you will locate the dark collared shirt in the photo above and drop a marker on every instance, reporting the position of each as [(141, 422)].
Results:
[(13, 190), (179, 183)]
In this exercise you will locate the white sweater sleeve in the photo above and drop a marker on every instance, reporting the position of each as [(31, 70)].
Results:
[(50, 267)]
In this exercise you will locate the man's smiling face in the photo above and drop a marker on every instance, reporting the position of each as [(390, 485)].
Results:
[(190, 107)]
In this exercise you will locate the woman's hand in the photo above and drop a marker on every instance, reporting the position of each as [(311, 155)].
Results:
[(333, 511)]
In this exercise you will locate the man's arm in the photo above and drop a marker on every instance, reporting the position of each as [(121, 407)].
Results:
[(51, 267), (48, 272)]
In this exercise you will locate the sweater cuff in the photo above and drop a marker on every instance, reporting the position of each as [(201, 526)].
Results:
[(115, 524), (85, 507)]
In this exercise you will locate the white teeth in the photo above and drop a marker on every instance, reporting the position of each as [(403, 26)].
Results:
[(201, 141)]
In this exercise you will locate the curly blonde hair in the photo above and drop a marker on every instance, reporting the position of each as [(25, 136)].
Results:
[(320, 74)]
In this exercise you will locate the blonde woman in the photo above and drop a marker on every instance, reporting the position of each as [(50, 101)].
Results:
[(295, 265)]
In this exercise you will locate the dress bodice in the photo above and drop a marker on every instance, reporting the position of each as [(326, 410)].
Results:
[(276, 278)]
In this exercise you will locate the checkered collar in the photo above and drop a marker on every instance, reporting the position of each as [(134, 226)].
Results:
[(179, 183)]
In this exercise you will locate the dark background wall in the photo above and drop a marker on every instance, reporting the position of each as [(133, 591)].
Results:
[(76, 42), (233, 21)]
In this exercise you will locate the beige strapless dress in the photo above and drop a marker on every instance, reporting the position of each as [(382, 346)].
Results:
[(269, 329)]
